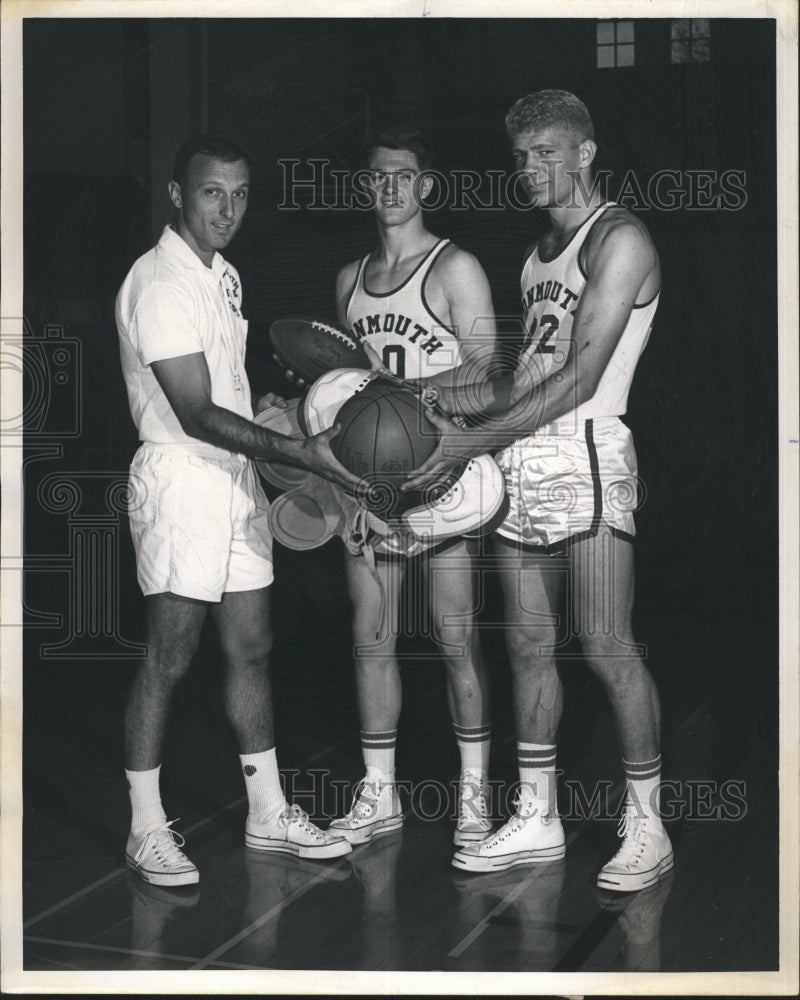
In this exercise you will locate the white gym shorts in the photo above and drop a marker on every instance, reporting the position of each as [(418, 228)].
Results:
[(565, 480), (200, 524)]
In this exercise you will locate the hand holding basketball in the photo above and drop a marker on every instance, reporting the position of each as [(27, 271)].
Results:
[(386, 433), (454, 446), (321, 460)]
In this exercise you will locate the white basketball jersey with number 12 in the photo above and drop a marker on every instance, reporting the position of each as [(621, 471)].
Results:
[(400, 325), (551, 291)]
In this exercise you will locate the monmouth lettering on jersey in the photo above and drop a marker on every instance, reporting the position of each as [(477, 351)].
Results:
[(399, 325)]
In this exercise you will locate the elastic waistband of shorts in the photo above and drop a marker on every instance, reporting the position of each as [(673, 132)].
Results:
[(200, 450), (572, 428)]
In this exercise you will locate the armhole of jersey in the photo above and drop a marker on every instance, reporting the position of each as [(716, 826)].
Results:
[(525, 265), (359, 271), (582, 269), (650, 301), (432, 258), (601, 211)]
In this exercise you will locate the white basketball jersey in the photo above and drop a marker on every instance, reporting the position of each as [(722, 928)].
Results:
[(400, 325), (551, 291)]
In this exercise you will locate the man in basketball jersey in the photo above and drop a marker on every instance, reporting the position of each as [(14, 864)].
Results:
[(589, 293), (425, 308)]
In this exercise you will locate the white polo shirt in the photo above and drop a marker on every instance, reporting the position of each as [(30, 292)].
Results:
[(170, 305)]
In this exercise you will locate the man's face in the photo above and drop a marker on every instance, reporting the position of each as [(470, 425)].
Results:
[(548, 160), (211, 204), (393, 180)]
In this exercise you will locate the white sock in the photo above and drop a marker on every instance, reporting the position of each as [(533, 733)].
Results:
[(378, 750), (537, 776), (263, 783), (146, 808), (474, 743), (644, 785)]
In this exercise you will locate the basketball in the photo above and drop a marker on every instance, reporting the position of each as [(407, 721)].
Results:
[(310, 347), (384, 435)]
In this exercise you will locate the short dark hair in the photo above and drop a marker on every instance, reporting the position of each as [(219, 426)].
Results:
[(413, 140), (217, 146), (548, 108)]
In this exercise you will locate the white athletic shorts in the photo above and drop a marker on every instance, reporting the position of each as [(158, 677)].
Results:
[(200, 524), (564, 480)]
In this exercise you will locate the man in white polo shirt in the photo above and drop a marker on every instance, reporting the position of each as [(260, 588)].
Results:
[(198, 515)]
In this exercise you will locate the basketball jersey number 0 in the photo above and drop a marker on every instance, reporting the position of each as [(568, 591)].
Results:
[(394, 358)]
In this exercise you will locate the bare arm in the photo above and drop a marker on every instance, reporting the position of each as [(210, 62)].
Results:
[(620, 264), (345, 280), (466, 289), (187, 385)]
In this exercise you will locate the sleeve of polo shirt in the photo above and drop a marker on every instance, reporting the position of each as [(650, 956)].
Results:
[(164, 325)]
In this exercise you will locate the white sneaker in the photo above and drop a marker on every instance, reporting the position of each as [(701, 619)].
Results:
[(375, 811), (156, 856), (523, 840), (290, 831), (473, 824), (645, 854)]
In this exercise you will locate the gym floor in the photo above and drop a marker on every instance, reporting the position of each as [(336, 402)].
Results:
[(397, 904)]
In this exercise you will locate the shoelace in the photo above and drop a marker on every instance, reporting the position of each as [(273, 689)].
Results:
[(166, 844), (474, 807), (631, 830), (504, 832), (294, 814)]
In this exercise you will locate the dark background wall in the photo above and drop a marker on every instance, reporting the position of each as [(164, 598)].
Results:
[(101, 125)]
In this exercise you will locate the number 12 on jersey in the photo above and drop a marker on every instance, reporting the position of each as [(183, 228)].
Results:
[(548, 325)]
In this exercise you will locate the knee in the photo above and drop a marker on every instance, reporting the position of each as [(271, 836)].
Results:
[(603, 647), (616, 661), (168, 658), (457, 643), (530, 648), (250, 649), (374, 635)]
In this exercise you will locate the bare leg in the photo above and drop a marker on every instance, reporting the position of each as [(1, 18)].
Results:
[(601, 580), (375, 629), (242, 618), (601, 605), (376, 807), (173, 632), (451, 596), (532, 587)]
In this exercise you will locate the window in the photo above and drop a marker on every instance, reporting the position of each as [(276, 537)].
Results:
[(614, 43), (691, 40)]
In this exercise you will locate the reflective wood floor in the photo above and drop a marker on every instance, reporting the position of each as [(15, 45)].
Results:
[(398, 904)]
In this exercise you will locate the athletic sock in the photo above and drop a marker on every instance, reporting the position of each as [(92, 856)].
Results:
[(537, 776), (263, 783), (644, 780), (474, 743), (146, 809), (378, 750)]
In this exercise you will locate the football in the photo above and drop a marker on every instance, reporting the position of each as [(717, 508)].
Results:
[(310, 347)]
